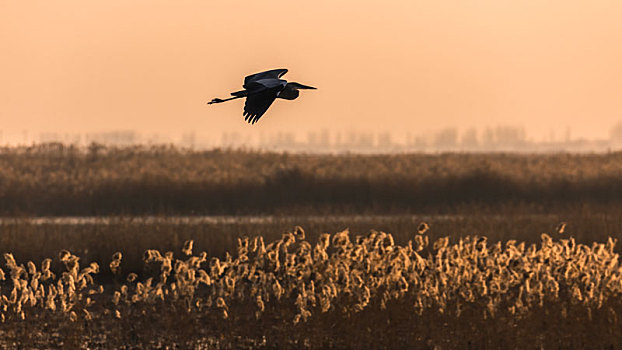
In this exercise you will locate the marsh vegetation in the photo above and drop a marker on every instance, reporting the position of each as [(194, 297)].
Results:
[(491, 268), (341, 291), (59, 180)]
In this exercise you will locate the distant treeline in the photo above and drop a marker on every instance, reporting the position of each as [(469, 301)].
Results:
[(54, 179)]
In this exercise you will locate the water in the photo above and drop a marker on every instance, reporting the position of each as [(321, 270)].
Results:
[(259, 220)]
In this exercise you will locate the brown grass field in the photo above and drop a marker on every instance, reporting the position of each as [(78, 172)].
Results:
[(491, 270), (52, 179)]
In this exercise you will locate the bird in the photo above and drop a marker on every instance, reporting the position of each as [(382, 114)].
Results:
[(261, 89)]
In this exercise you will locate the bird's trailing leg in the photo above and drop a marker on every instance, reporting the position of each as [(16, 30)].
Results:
[(220, 100)]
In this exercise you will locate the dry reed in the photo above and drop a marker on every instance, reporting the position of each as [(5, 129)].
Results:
[(362, 291)]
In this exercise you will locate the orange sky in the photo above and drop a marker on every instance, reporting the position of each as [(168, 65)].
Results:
[(399, 66)]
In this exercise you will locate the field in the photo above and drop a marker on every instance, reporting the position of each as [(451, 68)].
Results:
[(168, 248), (53, 179)]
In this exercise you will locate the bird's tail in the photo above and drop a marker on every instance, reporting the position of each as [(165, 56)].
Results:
[(241, 93)]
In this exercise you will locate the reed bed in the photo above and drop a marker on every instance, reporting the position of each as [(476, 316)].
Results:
[(338, 291), (61, 180), (98, 239)]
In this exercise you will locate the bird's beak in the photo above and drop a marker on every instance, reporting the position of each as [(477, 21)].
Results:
[(300, 86)]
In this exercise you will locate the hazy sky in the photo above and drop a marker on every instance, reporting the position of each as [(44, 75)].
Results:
[(79, 66)]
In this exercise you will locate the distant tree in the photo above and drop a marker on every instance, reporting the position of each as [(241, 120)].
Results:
[(615, 133), (385, 140), (312, 138), (470, 139), (510, 135), (324, 138), (488, 137), (446, 138)]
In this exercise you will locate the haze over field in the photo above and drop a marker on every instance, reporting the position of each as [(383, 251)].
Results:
[(396, 66)]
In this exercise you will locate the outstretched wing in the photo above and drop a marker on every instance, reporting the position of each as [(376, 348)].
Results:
[(257, 104), (270, 74)]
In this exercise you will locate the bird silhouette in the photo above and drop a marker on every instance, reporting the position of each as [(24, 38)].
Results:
[(261, 89)]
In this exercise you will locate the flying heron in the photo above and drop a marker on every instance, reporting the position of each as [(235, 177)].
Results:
[(261, 90)]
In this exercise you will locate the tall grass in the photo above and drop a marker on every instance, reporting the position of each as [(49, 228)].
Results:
[(339, 291), (53, 179), (98, 240)]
